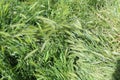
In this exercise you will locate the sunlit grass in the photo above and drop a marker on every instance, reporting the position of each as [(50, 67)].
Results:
[(59, 39)]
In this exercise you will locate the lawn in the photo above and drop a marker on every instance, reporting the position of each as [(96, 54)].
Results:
[(59, 39)]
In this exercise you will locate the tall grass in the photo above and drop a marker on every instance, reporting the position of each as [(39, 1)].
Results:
[(59, 39)]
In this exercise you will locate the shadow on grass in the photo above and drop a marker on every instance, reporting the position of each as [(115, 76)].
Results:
[(116, 74)]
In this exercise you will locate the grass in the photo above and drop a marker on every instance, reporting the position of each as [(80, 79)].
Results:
[(59, 39)]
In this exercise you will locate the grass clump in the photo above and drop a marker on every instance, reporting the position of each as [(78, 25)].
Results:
[(59, 39)]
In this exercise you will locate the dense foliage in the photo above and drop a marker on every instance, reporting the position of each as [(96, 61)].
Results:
[(59, 39)]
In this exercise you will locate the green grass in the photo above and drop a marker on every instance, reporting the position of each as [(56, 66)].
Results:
[(59, 39)]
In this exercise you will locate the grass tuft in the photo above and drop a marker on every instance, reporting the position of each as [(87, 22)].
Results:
[(59, 39)]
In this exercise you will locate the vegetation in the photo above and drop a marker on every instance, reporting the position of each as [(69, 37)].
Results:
[(59, 39)]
